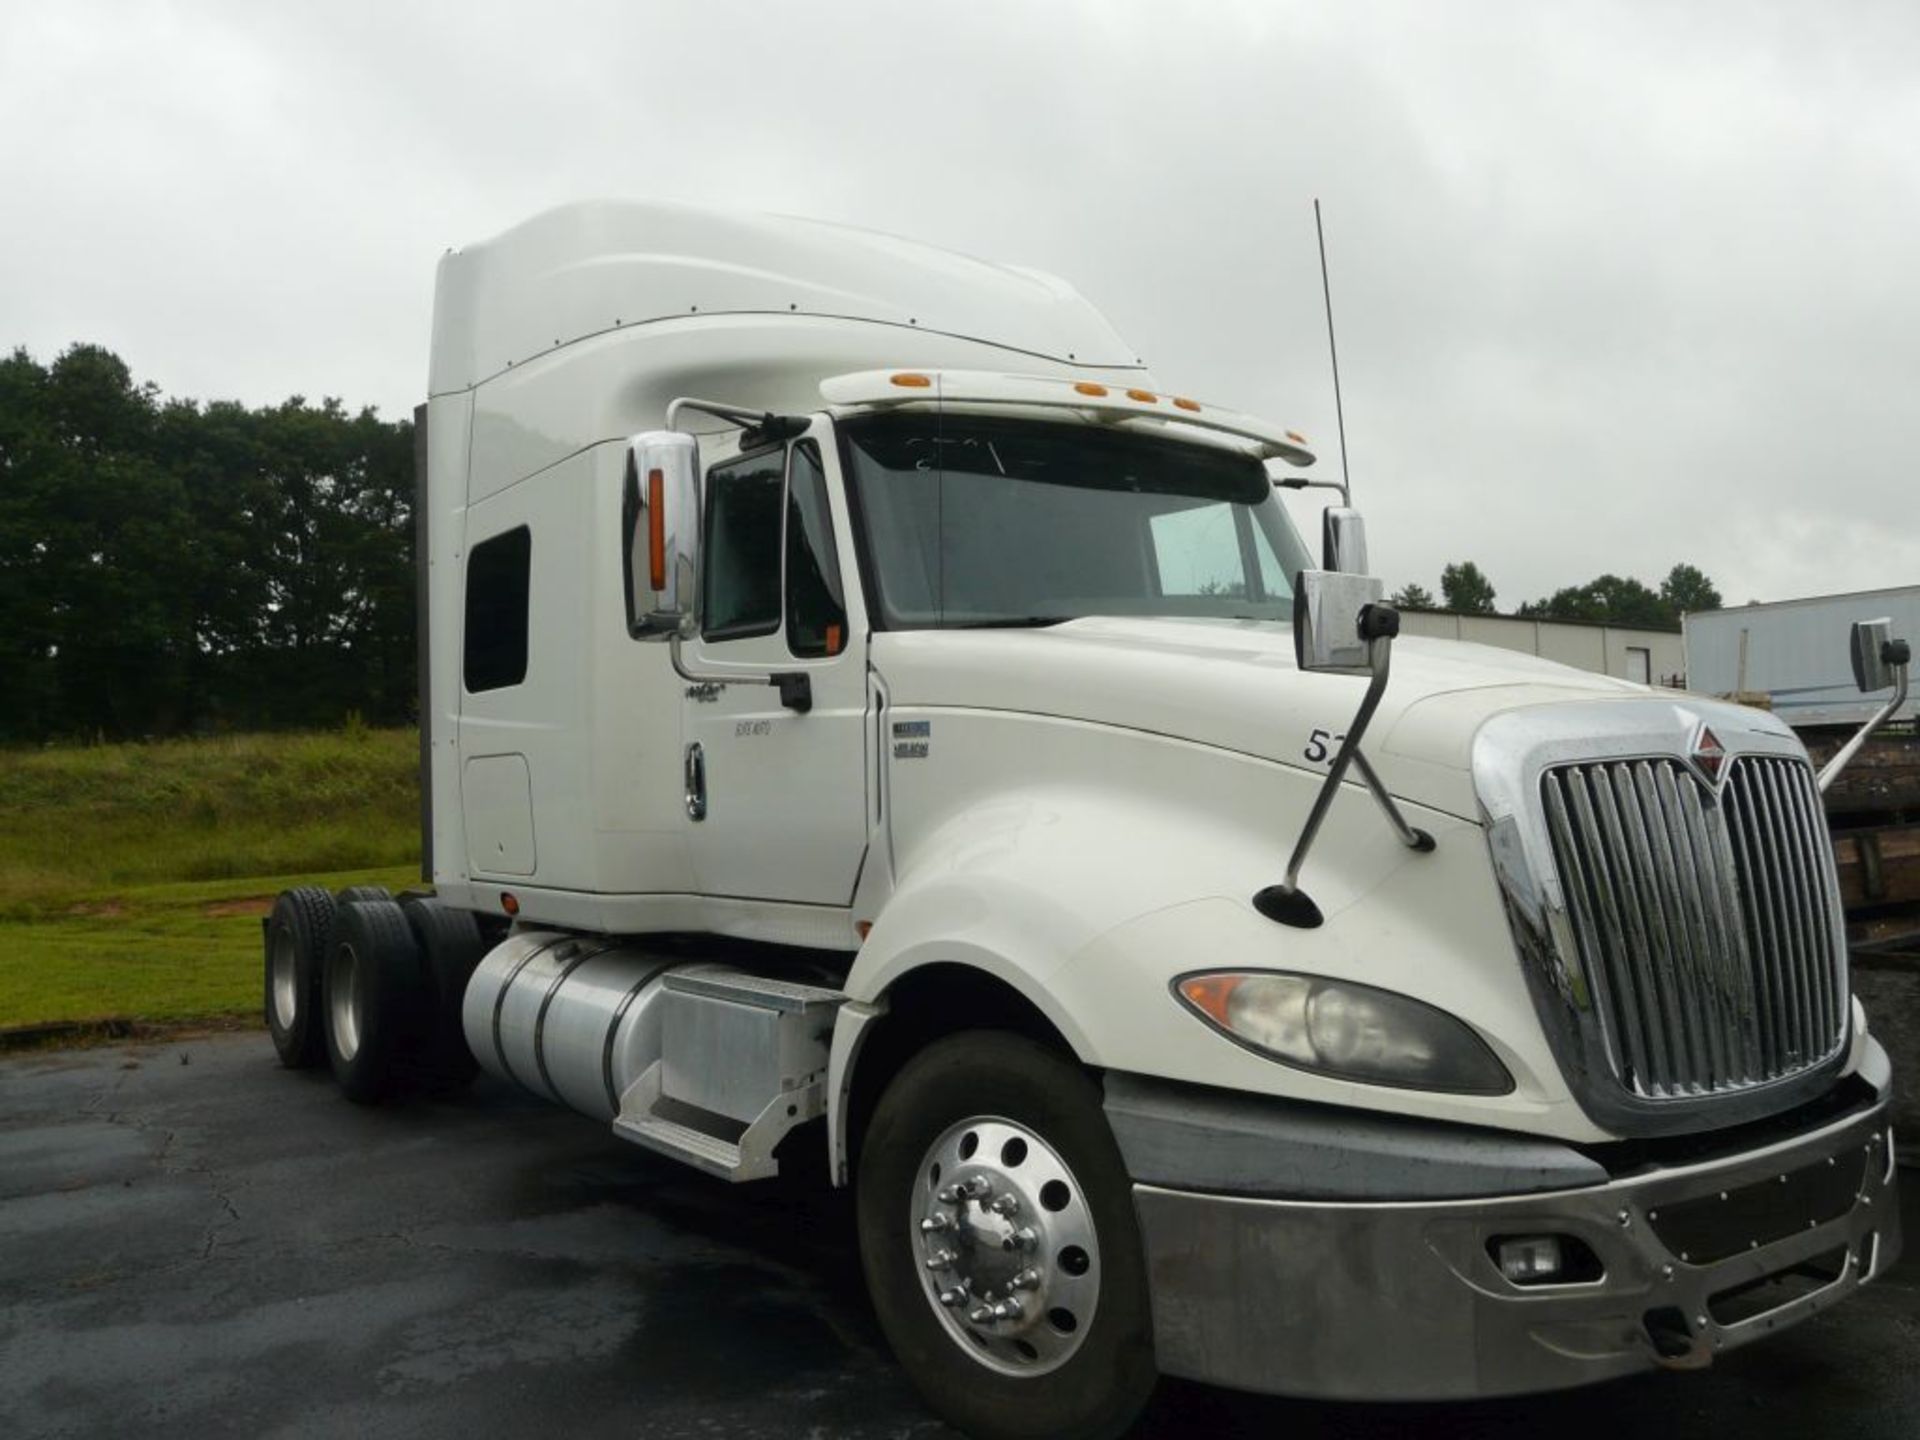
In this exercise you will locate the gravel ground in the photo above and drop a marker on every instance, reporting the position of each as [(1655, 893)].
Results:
[(196, 1242)]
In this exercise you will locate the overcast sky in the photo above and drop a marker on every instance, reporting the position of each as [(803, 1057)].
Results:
[(1616, 285)]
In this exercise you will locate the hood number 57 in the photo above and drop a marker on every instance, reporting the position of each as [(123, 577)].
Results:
[(1318, 743)]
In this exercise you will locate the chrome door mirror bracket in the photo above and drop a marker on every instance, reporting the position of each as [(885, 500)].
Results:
[(1341, 625)]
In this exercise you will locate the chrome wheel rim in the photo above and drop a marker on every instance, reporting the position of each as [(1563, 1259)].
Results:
[(286, 979), (1005, 1245), (344, 1011)]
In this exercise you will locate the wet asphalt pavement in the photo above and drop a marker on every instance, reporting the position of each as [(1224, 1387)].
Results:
[(221, 1247)]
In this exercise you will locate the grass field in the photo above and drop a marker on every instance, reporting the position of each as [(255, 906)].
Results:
[(132, 877)]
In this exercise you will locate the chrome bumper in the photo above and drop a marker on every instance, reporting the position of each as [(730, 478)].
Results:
[(1403, 1301)]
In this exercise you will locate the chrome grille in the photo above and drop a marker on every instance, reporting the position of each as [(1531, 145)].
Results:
[(1707, 925)]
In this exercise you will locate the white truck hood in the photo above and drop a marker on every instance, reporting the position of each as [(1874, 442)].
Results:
[(1234, 684)]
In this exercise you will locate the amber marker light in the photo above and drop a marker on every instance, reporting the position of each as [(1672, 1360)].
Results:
[(1145, 397), (1087, 387), (509, 902), (911, 381), (862, 928), (1210, 994), (1296, 437), (656, 530), (1184, 404)]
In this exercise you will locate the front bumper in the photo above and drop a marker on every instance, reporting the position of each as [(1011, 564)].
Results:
[(1384, 1300)]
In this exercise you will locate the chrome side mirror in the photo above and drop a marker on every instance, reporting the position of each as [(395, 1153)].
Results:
[(1878, 661), (1875, 654), (1326, 620), (662, 529), (1341, 626), (1343, 540)]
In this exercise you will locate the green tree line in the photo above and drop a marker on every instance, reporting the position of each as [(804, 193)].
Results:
[(1606, 599), (168, 566)]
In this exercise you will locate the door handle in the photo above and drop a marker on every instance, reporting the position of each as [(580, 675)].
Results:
[(696, 781)]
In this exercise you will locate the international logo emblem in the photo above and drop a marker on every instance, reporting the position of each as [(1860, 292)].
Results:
[(1709, 755)]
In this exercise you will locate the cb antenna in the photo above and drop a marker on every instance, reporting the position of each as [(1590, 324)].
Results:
[(1333, 352)]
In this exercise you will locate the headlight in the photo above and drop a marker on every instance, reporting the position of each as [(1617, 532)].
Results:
[(1353, 1031)]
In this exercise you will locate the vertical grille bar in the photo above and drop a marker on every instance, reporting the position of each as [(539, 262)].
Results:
[(1819, 903), (1794, 897), (1741, 1006), (1635, 1020), (1716, 980), (1774, 881), (1707, 925), (1759, 862), (1588, 887), (1642, 960), (1703, 1054)]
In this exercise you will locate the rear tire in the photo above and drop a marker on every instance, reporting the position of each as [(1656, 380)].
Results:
[(374, 999), (1075, 1359), (296, 938), (451, 947), (354, 894)]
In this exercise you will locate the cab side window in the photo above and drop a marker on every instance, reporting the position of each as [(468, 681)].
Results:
[(741, 584), (495, 635), (816, 609)]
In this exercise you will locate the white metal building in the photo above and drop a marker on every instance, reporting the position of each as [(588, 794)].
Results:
[(1794, 652), (1651, 657)]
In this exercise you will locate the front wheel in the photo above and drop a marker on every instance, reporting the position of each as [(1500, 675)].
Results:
[(1000, 1246)]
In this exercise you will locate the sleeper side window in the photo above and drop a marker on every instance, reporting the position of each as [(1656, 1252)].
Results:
[(495, 648), (816, 610), (741, 584)]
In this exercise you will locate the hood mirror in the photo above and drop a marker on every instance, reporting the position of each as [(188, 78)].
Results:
[(1326, 620), (1873, 649), (1878, 661), (1341, 626)]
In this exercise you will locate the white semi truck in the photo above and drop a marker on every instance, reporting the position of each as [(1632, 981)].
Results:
[(863, 709)]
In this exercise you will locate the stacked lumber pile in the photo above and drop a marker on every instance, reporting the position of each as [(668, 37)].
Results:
[(1873, 811)]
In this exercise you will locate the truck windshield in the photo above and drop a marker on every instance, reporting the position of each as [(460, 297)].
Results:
[(980, 520)]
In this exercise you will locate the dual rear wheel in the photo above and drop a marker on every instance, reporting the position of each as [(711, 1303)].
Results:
[(371, 985)]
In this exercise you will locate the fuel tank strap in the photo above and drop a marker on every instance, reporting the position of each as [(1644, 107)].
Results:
[(613, 1031), (573, 963), (500, 1002)]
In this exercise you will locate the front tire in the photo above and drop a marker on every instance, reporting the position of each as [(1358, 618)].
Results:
[(1000, 1245)]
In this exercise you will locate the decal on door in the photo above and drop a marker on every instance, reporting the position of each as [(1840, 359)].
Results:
[(911, 739)]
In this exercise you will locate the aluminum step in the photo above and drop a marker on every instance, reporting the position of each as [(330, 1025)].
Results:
[(691, 1147), (748, 1158)]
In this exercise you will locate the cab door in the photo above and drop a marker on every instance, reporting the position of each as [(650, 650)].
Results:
[(777, 792)]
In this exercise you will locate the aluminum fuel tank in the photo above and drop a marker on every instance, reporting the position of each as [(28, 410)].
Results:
[(572, 1018)]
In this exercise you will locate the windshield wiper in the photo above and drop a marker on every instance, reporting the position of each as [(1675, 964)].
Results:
[(1007, 622)]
